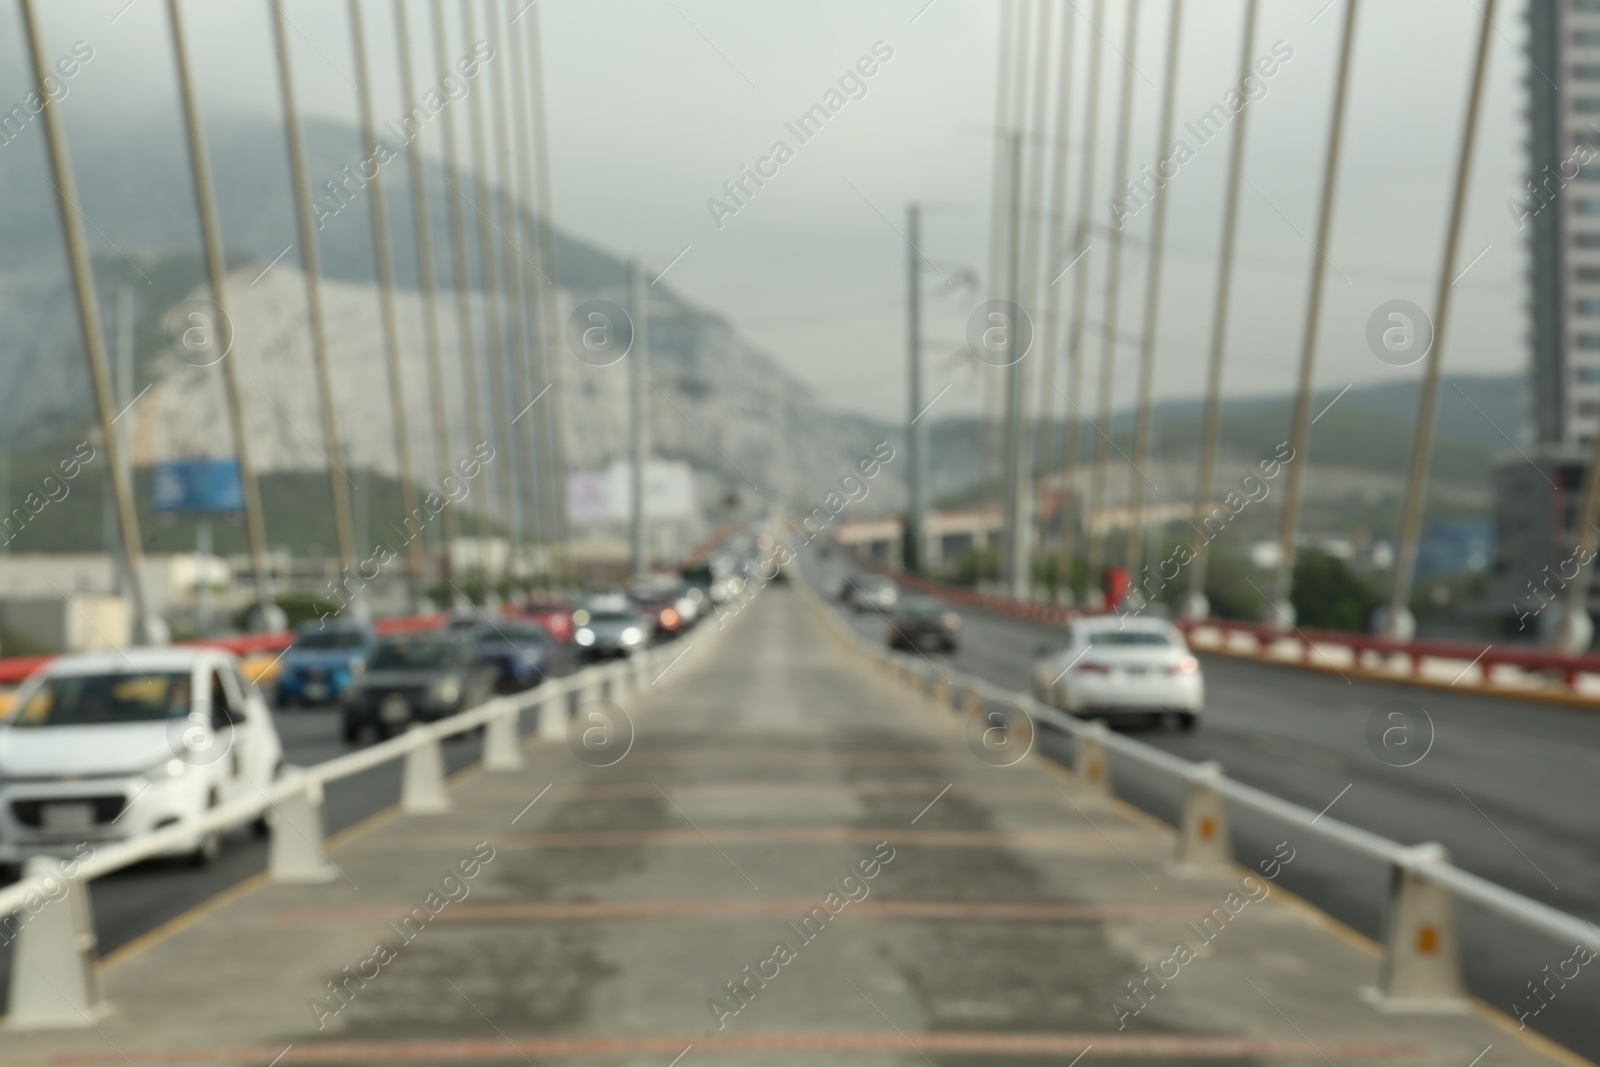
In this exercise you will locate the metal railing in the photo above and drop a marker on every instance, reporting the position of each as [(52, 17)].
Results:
[(54, 980), (1421, 968)]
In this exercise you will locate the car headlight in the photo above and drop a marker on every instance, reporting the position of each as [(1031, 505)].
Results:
[(447, 690), (167, 769), (632, 635), (357, 665), (584, 636), (1186, 665), (952, 620)]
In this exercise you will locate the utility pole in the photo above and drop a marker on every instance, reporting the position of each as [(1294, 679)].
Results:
[(1280, 610), (1196, 606), (1396, 621), (311, 267), (1134, 549), (1067, 550), (518, 339), (1019, 496), (993, 432), (554, 409), (1050, 295), (916, 431), (123, 375), (493, 312), (1108, 333), (534, 307), (467, 348), (423, 233), (267, 615), (383, 257), (638, 414)]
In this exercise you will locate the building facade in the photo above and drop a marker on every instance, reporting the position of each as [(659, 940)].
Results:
[(1538, 493)]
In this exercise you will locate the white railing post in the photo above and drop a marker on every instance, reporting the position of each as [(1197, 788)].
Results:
[(1089, 762), (502, 748), (1203, 844), (1421, 969), (553, 712), (422, 789), (53, 980), (295, 852)]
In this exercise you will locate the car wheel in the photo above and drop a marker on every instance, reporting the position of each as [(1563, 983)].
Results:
[(350, 730), (210, 846), (1187, 721)]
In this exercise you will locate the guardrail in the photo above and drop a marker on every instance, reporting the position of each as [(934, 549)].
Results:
[(1421, 967), (54, 982), (1522, 671)]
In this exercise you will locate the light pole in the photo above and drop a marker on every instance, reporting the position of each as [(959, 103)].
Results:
[(916, 432)]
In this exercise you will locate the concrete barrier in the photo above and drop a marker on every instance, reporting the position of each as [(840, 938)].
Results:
[(1203, 845), (1421, 969), (1089, 761), (55, 984), (422, 789), (295, 852), (502, 747)]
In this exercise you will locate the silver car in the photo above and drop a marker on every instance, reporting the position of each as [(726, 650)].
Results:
[(602, 632)]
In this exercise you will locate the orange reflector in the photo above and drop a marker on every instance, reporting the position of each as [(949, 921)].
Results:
[(1208, 828), (1427, 940)]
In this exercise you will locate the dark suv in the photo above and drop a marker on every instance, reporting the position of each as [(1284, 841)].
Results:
[(418, 677)]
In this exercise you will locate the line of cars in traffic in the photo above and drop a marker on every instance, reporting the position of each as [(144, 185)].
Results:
[(108, 746), (1115, 667)]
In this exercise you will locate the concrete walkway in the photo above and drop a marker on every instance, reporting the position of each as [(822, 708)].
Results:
[(793, 862)]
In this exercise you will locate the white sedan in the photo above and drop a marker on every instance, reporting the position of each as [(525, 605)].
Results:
[(103, 747), (1120, 668)]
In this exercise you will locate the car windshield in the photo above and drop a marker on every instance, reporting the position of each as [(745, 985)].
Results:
[(923, 609), (415, 655), (330, 639), (1126, 638), (105, 699)]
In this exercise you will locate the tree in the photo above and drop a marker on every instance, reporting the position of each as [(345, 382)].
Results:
[(1329, 595)]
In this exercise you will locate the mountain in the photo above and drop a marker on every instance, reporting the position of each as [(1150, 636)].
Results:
[(717, 402)]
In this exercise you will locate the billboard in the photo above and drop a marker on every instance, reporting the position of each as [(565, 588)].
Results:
[(197, 487), (603, 496)]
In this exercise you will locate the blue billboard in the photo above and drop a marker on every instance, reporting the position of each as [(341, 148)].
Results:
[(198, 487)]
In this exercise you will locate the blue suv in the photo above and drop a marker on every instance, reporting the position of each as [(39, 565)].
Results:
[(321, 662)]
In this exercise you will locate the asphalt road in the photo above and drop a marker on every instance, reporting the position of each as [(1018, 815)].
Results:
[(138, 899), (1511, 788)]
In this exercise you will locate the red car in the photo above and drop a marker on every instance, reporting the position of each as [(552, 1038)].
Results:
[(552, 613)]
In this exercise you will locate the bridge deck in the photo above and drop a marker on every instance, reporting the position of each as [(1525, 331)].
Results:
[(794, 862)]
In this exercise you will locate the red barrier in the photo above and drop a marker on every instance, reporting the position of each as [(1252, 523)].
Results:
[(16, 668)]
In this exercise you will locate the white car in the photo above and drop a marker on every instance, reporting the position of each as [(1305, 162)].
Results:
[(1119, 668), (871, 592), (108, 746)]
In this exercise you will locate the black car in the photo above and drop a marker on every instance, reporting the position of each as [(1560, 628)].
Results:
[(420, 677), (923, 622)]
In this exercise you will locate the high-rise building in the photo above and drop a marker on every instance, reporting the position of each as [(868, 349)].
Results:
[(1538, 492)]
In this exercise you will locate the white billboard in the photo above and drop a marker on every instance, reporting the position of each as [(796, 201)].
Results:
[(603, 496)]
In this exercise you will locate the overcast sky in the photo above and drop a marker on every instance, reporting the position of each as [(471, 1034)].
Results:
[(653, 104)]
